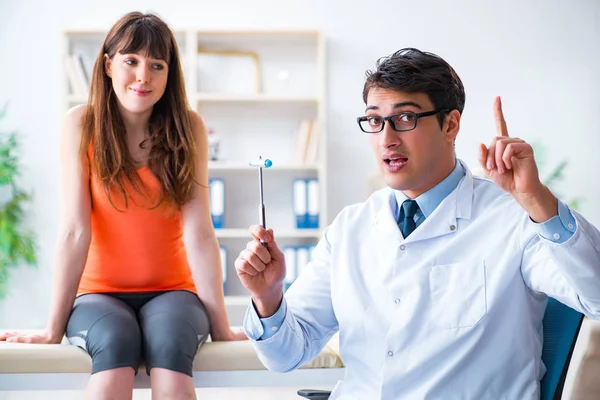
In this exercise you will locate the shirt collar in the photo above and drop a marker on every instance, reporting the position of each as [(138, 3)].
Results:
[(432, 198)]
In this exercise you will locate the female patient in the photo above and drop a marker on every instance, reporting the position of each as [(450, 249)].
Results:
[(138, 273)]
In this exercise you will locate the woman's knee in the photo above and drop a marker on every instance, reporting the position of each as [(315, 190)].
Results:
[(114, 341), (174, 325), (169, 384), (170, 343)]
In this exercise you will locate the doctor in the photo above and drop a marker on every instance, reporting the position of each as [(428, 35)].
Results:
[(438, 283)]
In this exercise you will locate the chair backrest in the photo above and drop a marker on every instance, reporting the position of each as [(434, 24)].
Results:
[(561, 327)]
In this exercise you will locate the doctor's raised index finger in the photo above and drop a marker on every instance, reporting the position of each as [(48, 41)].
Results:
[(501, 128)]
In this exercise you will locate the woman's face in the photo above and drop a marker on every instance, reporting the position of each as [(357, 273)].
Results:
[(138, 80)]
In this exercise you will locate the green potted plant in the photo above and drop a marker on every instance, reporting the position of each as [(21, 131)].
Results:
[(17, 245)]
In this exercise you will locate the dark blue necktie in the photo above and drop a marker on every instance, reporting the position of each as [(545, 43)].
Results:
[(407, 223)]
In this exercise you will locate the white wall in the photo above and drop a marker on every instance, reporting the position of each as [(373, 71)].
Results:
[(541, 56)]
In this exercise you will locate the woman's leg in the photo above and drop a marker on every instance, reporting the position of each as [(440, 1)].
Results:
[(174, 324), (108, 330), (111, 384)]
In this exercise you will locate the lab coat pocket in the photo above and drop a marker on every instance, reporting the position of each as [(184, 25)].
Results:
[(457, 294)]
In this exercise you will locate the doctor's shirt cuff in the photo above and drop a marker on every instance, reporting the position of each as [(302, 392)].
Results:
[(559, 228), (263, 328)]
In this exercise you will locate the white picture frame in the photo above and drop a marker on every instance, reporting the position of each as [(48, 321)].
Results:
[(230, 72)]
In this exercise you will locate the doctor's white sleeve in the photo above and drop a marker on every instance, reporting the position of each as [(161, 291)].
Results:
[(304, 322), (567, 271)]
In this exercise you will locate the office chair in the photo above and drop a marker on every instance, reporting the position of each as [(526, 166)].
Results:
[(561, 326)]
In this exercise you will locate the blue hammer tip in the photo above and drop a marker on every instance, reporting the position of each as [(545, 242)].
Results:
[(268, 163)]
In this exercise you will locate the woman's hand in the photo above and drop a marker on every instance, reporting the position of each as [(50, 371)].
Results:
[(232, 335), (41, 338)]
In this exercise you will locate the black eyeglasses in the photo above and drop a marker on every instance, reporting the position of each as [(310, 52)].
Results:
[(401, 122)]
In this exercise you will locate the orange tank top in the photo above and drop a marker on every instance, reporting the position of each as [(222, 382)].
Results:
[(136, 249)]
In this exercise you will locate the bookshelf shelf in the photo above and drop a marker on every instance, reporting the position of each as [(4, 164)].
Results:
[(229, 98), (282, 234), (237, 301), (253, 97)]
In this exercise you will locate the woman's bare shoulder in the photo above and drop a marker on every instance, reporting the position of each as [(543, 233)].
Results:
[(72, 123), (196, 119), (75, 114)]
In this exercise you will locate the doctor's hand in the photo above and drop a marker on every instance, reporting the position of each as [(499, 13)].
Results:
[(262, 270), (510, 164)]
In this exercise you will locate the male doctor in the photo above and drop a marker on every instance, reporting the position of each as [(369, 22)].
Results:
[(438, 283)]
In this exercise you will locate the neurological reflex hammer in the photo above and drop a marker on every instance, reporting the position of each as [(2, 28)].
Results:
[(266, 163)]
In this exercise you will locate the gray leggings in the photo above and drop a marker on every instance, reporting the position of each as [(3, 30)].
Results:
[(164, 329)]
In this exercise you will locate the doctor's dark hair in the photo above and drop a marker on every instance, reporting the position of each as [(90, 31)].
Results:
[(414, 71)]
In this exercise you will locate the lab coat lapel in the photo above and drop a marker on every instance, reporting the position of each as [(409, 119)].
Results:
[(443, 220)]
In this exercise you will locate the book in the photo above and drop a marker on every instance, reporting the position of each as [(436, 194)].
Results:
[(311, 155), (302, 140)]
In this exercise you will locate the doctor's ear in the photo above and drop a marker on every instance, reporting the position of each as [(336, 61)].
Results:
[(451, 125), (107, 65)]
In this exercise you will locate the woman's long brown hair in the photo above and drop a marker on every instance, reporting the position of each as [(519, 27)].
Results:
[(173, 151)]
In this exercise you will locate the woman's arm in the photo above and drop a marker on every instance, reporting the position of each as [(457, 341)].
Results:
[(74, 233), (75, 230), (201, 243)]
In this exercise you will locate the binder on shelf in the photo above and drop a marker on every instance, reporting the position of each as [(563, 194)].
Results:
[(311, 248), (217, 201), (313, 203), (291, 268), (307, 142), (223, 255), (300, 199), (302, 258)]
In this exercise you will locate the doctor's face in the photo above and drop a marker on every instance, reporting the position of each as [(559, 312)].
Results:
[(413, 160)]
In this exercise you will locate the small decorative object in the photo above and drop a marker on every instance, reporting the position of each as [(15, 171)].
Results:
[(283, 75), (283, 79), (213, 145)]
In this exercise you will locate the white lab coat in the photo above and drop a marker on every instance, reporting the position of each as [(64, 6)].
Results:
[(452, 312)]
